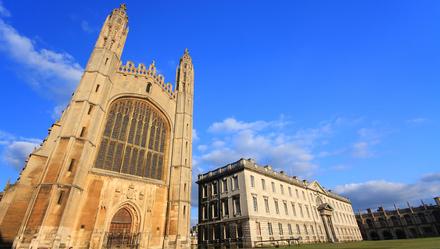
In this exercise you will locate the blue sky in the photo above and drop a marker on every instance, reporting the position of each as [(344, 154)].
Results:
[(345, 92)]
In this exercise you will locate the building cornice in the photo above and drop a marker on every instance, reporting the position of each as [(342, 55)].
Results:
[(267, 170)]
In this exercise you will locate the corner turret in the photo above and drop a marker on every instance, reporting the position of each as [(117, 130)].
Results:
[(185, 74), (114, 31)]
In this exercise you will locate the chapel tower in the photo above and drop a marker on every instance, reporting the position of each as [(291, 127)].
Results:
[(115, 170)]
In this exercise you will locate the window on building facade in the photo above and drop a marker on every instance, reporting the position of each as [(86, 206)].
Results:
[(282, 189), (71, 165), (277, 209), (304, 195), (60, 197), (258, 227), (269, 228), (234, 182), (408, 219), (293, 209), (237, 208), (286, 211), (298, 229), (297, 193), (395, 221), (213, 232), (422, 218), (312, 230), (135, 139), (266, 204), (290, 191), (224, 207), (252, 181), (273, 187), (204, 191), (233, 230), (204, 212), (305, 229), (263, 184), (83, 132), (203, 233), (307, 211), (214, 210), (289, 227), (224, 231), (280, 228), (301, 210), (254, 200), (225, 185), (214, 188)]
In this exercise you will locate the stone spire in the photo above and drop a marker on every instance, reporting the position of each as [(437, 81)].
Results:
[(185, 73), (114, 31)]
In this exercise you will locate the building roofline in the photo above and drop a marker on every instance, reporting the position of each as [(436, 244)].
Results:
[(266, 170)]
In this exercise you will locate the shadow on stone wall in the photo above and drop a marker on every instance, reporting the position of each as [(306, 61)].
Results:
[(4, 243)]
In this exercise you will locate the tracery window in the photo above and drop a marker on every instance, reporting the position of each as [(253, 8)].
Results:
[(134, 139)]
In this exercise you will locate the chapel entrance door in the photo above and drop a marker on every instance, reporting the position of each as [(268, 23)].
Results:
[(120, 234)]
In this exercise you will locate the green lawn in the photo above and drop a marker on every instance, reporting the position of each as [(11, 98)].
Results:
[(428, 243)]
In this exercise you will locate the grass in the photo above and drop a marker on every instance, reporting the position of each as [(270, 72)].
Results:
[(425, 243)]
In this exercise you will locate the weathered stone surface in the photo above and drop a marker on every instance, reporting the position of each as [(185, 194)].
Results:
[(122, 146)]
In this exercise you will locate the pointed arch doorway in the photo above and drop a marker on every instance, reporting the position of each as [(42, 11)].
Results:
[(121, 222), (122, 232)]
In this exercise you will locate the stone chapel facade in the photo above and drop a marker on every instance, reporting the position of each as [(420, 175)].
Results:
[(115, 170)]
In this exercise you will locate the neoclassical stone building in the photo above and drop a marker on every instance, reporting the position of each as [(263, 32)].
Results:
[(401, 223), (115, 170), (250, 205)]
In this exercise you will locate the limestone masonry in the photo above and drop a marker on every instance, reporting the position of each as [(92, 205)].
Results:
[(248, 205), (401, 223), (115, 170)]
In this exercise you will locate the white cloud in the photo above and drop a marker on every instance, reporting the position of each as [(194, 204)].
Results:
[(85, 26), (3, 11), (263, 141), (232, 125), (54, 74), (416, 121), (202, 147), (15, 150), (57, 111), (311, 135), (374, 193), (340, 167), (195, 136), (432, 177), (362, 150), (368, 138)]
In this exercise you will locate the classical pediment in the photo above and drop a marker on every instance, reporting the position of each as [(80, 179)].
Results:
[(317, 187)]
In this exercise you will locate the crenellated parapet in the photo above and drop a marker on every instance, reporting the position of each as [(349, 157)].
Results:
[(149, 73)]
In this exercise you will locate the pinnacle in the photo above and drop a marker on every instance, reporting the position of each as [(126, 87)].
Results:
[(123, 7)]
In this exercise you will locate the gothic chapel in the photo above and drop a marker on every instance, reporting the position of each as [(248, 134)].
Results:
[(115, 170)]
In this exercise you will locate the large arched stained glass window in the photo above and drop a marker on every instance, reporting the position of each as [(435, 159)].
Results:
[(134, 140)]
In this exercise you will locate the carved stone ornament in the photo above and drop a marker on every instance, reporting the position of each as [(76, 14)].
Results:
[(131, 193)]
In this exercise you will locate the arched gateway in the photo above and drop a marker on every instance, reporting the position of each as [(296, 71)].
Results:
[(122, 231)]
